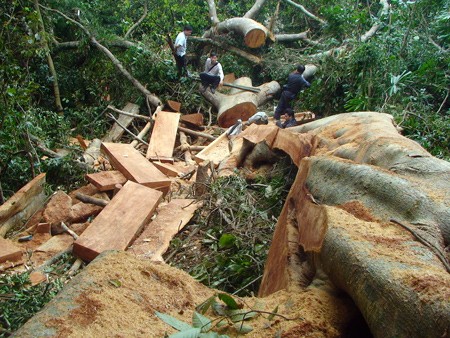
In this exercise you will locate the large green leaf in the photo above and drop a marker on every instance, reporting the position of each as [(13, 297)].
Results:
[(200, 321), (227, 299), (174, 322), (193, 332)]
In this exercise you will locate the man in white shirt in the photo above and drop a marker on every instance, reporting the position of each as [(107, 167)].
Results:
[(213, 74), (180, 50)]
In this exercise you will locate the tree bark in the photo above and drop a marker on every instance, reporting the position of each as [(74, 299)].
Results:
[(256, 8)]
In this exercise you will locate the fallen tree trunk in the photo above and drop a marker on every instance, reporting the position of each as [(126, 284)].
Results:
[(254, 33), (240, 104), (356, 173)]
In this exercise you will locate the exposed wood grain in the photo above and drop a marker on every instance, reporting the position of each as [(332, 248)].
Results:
[(134, 166), (119, 222), (106, 180), (163, 136)]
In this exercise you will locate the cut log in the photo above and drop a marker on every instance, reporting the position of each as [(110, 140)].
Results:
[(135, 167), (174, 105), (163, 137), (106, 180), (119, 222), (194, 119), (215, 152), (254, 33), (171, 219), (116, 131), (240, 104), (9, 252)]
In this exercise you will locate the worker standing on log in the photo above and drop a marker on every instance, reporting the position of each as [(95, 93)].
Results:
[(180, 50), (296, 82), (213, 75)]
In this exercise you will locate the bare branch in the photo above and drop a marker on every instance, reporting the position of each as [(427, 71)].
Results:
[(212, 12), (132, 28), (371, 32), (153, 99), (305, 11), (256, 8)]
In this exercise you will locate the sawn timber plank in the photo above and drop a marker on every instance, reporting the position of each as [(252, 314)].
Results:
[(135, 167), (163, 137), (119, 222), (106, 180)]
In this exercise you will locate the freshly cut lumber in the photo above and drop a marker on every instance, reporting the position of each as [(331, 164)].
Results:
[(22, 205), (194, 119), (106, 180), (297, 146), (163, 137), (119, 222), (117, 131), (171, 219), (135, 167), (215, 152), (167, 169), (8, 251), (174, 105)]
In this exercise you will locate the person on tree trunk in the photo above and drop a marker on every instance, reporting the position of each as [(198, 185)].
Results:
[(296, 82), (289, 119), (213, 74), (180, 50)]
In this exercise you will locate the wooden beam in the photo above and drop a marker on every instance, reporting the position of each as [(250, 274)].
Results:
[(171, 219), (106, 180), (135, 167), (194, 119), (22, 205), (119, 222), (8, 251), (163, 137), (215, 152)]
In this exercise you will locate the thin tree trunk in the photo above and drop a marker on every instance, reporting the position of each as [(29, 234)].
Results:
[(51, 65)]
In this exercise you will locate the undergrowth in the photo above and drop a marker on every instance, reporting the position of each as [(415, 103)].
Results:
[(19, 300), (226, 247)]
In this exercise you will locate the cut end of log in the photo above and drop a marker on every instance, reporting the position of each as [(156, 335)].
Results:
[(241, 111), (255, 38)]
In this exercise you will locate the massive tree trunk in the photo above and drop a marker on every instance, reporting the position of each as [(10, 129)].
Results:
[(356, 174), (240, 104)]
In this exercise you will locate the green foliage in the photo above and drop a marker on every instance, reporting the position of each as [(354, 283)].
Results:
[(238, 227), (230, 317), (19, 301)]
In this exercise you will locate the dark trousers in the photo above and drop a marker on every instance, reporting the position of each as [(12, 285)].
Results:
[(283, 104), (181, 65), (209, 80)]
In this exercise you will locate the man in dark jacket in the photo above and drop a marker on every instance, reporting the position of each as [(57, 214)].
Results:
[(296, 82), (289, 119)]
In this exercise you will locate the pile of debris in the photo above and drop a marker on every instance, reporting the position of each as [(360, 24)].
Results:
[(361, 237)]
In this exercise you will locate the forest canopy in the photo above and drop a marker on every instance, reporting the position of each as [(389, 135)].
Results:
[(57, 77)]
